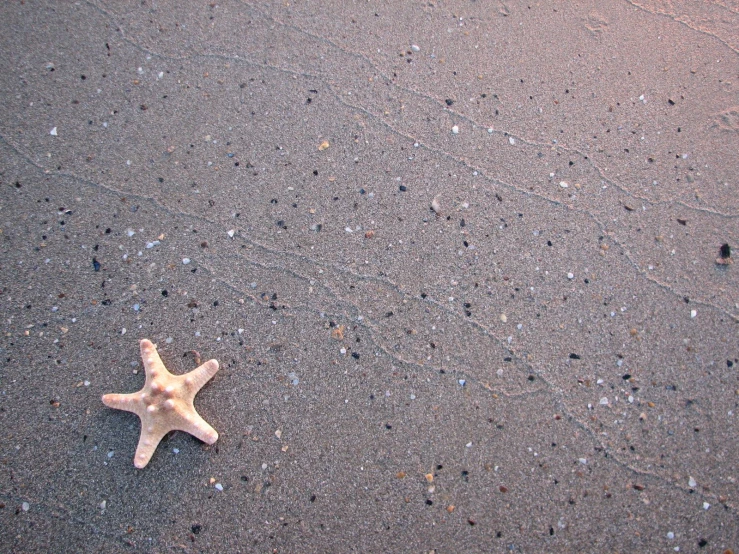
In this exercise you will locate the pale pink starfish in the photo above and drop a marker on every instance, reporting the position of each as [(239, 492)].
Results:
[(165, 403)]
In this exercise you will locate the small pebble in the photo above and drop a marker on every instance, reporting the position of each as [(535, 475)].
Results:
[(570, 276), (706, 505), (26, 506), (693, 313), (670, 535), (218, 486), (691, 482), (185, 261), (583, 461), (503, 318), (415, 48), (455, 130), (231, 233), (53, 132), (511, 140), (564, 184)]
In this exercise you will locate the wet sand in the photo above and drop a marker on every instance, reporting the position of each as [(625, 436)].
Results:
[(545, 361)]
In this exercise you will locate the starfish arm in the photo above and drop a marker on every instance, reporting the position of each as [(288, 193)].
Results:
[(152, 362), (148, 442), (199, 428), (128, 402), (201, 375)]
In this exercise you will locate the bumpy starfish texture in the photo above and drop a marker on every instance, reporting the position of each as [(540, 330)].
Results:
[(165, 403)]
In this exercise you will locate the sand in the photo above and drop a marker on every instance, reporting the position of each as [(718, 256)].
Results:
[(457, 260)]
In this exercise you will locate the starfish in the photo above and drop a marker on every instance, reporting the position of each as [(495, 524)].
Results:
[(165, 403)]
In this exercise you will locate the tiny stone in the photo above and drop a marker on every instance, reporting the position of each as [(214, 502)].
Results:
[(25, 505), (503, 318), (570, 276), (693, 313), (455, 130), (583, 461), (185, 261), (231, 233), (563, 184), (511, 140), (670, 535), (53, 132), (691, 482), (218, 486), (415, 48)]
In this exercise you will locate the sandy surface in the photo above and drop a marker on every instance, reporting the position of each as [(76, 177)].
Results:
[(548, 364)]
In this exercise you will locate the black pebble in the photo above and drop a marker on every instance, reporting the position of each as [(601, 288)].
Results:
[(574, 357), (725, 251), (95, 264)]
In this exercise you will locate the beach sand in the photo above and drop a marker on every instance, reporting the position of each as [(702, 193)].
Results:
[(457, 261)]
